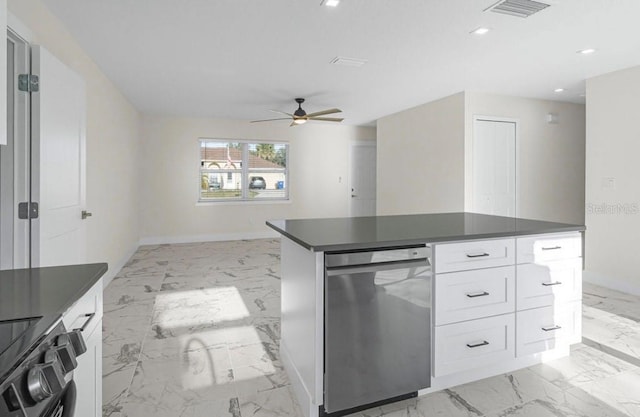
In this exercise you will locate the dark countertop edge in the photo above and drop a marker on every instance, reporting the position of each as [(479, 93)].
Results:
[(394, 243)]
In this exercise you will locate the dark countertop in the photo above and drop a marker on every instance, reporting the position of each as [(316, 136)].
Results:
[(352, 233), (41, 292)]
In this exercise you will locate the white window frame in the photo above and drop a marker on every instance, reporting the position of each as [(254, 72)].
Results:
[(244, 171)]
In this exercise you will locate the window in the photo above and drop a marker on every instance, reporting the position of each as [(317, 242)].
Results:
[(242, 170)]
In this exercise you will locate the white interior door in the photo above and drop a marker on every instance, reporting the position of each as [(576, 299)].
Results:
[(58, 155), (494, 167), (363, 180)]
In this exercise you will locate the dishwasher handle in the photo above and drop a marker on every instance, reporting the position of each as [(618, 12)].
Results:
[(376, 267)]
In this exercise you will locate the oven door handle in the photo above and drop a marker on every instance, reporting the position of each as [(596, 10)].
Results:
[(16, 400), (69, 403), (376, 267), (90, 317)]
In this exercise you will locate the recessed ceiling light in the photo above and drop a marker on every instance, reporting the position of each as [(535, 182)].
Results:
[(330, 3), (480, 31), (559, 90), (586, 51)]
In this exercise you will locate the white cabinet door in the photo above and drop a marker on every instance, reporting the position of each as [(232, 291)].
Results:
[(58, 162), (550, 284), (88, 376), (548, 328), (470, 295), (474, 344), (544, 248)]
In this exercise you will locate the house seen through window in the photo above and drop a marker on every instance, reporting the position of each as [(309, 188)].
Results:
[(242, 170)]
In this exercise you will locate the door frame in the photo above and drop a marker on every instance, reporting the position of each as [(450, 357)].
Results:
[(479, 117), (22, 144)]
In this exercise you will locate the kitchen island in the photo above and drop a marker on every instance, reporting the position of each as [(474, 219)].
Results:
[(463, 296)]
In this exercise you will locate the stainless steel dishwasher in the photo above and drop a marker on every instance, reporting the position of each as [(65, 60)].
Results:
[(377, 327)]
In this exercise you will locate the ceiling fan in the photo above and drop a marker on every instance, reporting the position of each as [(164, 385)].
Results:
[(300, 116)]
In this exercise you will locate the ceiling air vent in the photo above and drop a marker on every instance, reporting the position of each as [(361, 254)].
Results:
[(519, 8)]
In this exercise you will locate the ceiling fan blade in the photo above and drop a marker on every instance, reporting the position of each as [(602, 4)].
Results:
[(270, 120), (323, 112), (327, 119), (293, 124), (282, 112)]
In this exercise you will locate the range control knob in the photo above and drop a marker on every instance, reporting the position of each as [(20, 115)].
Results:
[(45, 380), (75, 339), (65, 355)]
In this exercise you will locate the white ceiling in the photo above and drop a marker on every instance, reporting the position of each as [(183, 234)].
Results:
[(238, 58)]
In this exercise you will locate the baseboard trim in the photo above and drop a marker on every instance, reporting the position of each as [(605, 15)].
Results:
[(115, 268), (160, 240), (610, 282)]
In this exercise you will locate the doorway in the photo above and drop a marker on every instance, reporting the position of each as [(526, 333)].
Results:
[(494, 166), (363, 180), (43, 165), (15, 161)]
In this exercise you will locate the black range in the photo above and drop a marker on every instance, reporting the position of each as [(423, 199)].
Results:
[(32, 302)]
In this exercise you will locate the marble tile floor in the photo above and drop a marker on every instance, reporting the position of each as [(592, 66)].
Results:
[(192, 330)]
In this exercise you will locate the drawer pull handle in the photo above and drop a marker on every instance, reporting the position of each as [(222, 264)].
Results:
[(478, 294), (475, 345), (552, 248), (552, 328), (550, 284), (480, 255), (86, 323)]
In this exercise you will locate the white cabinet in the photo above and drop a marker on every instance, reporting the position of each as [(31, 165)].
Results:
[(549, 292), (88, 376), (86, 314), (499, 303), (474, 302)]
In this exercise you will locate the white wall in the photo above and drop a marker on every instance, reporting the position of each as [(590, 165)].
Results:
[(318, 169), (112, 142), (550, 157), (421, 159), (613, 211)]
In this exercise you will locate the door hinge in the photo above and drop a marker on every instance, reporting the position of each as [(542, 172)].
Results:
[(27, 211), (28, 83)]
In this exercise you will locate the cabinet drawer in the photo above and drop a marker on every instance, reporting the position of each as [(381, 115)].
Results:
[(547, 328), (474, 344), (543, 248), (86, 312), (451, 257), (470, 295), (549, 284)]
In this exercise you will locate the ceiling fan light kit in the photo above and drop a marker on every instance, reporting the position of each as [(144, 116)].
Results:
[(300, 116)]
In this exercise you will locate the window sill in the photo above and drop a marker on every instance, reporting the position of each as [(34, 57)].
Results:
[(204, 203)]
